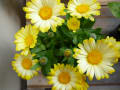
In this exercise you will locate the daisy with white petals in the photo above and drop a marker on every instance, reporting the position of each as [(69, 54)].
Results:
[(22, 65), (113, 42), (26, 38), (45, 13), (66, 77), (96, 58), (116, 44), (84, 8)]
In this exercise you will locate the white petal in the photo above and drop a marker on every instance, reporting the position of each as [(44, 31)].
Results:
[(97, 72), (83, 65)]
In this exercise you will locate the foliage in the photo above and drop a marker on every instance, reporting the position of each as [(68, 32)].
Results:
[(115, 8), (52, 45)]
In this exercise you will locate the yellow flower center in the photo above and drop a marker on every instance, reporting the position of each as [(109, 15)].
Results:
[(73, 24), (45, 12), (29, 40), (64, 77), (83, 8), (94, 57), (67, 53), (27, 63)]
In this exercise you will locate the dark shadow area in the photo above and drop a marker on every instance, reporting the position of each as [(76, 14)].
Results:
[(116, 33)]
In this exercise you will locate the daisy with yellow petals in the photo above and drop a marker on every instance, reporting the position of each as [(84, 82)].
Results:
[(22, 65), (45, 13), (66, 77), (26, 38), (113, 42), (84, 8), (96, 58), (116, 44), (73, 24)]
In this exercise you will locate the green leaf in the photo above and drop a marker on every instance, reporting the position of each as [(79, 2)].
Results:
[(61, 51), (67, 16), (42, 47), (51, 44), (65, 10), (98, 30), (35, 66), (75, 41), (86, 23), (38, 48), (42, 34), (115, 8), (64, 59), (35, 50), (71, 61), (51, 56), (46, 69)]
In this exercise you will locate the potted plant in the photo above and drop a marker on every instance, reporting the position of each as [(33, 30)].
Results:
[(66, 50)]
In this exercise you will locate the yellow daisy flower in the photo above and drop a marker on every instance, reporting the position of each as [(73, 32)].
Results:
[(116, 44), (67, 52), (113, 42), (84, 8), (26, 38), (22, 65), (45, 13), (66, 77), (73, 24), (43, 60), (96, 58)]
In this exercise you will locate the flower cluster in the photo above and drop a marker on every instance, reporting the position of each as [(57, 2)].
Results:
[(49, 44)]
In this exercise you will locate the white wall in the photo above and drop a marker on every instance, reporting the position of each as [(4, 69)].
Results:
[(9, 24)]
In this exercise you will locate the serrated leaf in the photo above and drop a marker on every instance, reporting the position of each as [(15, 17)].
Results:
[(115, 8)]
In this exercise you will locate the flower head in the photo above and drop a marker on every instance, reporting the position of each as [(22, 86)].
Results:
[(43, 60), (22, 65), (67, 53), (84, 8), (96, 58), (26, 38), (73, 24), (112, 41), (45, 13), (66, 77), (116, 44)]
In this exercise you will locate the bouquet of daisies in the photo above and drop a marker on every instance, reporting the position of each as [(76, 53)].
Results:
[(61, 43)]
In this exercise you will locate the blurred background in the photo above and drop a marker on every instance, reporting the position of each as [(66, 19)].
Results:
[(10, 21)]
